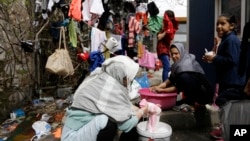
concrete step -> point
(187, 120)
(187, 126)
(178, 120)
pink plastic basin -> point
(166, 100)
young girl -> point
(165, 37)
(226, 61)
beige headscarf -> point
(103, 91)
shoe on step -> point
(216, 134)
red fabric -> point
(134, 27)
(170, 28)
(216, 133)
(163, 45)
(142, 16)
(118, 29)
(75, 10)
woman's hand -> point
(158, 89)
(142, 111)
(155, 89)
(152, 89)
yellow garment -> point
(106, 52)
(140, 49)
(72, 33)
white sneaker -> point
(212, 108)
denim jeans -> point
(166, 66)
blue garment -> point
(227, 61)
(166, 66)
(75, 119)
(81, 125)
(96, 59)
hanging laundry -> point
(155, 24)
(148, 59)
(141, 13)
(72, 33)
(51, 4)
(75, 10)
(97, 37)
(119, 42)
(95, 60)
(134, 27)
(90, 8)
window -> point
(232, 6)
(181, 33)
(247, 10)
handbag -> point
(60, 62)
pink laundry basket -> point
(166, 100)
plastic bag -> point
(143, 80)
(41, 128)
(134, 90)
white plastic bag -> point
(134, 90)
(41, 128)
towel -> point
(154, 112)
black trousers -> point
(109, 132)
(229, 93)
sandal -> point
(184, 108)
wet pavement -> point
(191, 135)
(186, 127)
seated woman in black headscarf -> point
(186, 76)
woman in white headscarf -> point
(187, 76)
(101, 103)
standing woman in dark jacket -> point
(226, 61)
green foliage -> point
(22, 71)
(7, 2)
(28, 3)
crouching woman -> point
(101, 104)
(187, 76)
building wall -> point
(201, 31)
